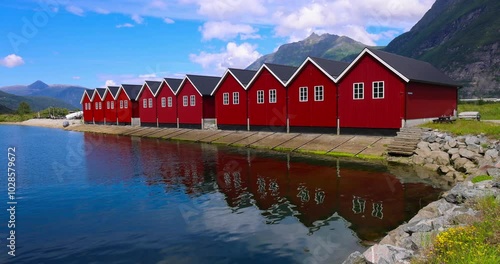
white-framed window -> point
(163, 102)
(225, 98)
(108, 105)
(302, 94)
(378, 90)
(96, 105)
(121, 104)
(192, 100)
(319, 93)
(112, 104)
(170, 101)
(144, 103)
(272, 96)
(125, 104)
(100, 105)
(260, 96)
(185, 100)
(358, 91)
(236, 98)
(150, 102)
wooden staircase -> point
(406, 141)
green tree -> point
(24, 108)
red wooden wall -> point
(166, 115)
(428, 100)
(147, 114)
(312, 113)
(267, 114)
(368, 112)
(124, 114)
(189, 114)
(110, 114)
(98, 111)
(88, 114)
(231, 114)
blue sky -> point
(92, 43)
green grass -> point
(481, 178)
(488, 111)
(467, 127)
(15, 117)
(478, 242)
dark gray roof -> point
(174, 83)
(283, 72)
(413, 69)
(101, 92)
(244, 76)
(333, 68)
(89, 92)
(132, 90)
(153, 86)
(113, 90)
(204, 84)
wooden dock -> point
(374, 147)
(405, 143)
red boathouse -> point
(231, 107)
(312, 96)
(194, 103)
(110, 114)
(97, 106)
(166, 102)
(148, 108)
(384, 91)
(127, 105)
(86, 102)
(267, 97)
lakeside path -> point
(368, 147)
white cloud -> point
(158, 4)
(11, 61)
(233, 56)
(225, 31)
(110, 83)
(76, 77)
(126, 25)
(101, 11)
(75, 10)
(168, 20)
(148, 75)
(137, 19)
(224, 9)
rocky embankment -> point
(458, 159)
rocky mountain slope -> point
(462, 38)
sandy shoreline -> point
(51, 123)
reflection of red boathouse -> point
(232, 176)
(268, 181)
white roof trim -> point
(140, 91)
(228, 71)
(163, 81)
(122, 89)
(182, 83)
(258, 73)
(83, 95)
(363, 52)
(309, 59)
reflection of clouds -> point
(331, 242)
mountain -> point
(68, 93)
(326, 46)
(11, 102)
(460, 37)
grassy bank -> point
(488, 111)
(15, 117)
(477, 242)
(468, 127)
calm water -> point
(90, 198)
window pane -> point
(236, 98)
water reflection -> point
(316, 192)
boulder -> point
(475, 148)
(466, 153)
(419, 160)
(492, 153)
(388, 254)
(434, 146)
(432, 167)
(463, 164)
(356, 258)
(469, 140)
(440, 157)
(423, 145)
(424, 153)
(453, 151)
(452, 142)
(493, 172)
(454, 157)
(444, 169)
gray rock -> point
(432, 167)
(453, 151)
(475, 148)
(388, 254)
(455, 156)
(493, 153)
(462, 192)
(434, 146)
(356, 258)
(423, 145)
(471, 140)
(452, 142)
(446, 147)
(440, 157)
(444, 169)
(463, 164)
(424, 153)
(419, 160)
(466, 153)
(424, 239)
(493, 172)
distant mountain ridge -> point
(326, 46)
(67, 93)
(10, 102)
(462, 38)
